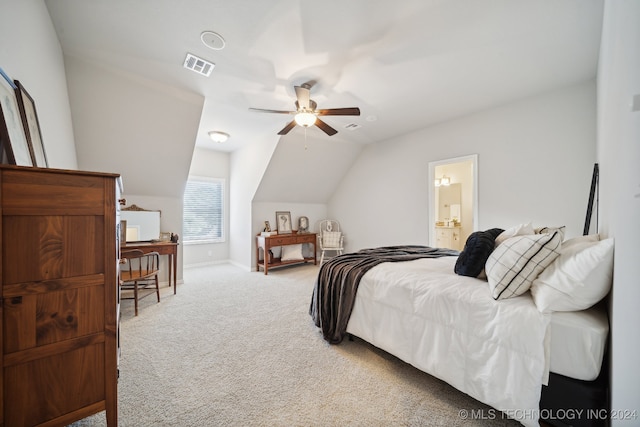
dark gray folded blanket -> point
(338, 279)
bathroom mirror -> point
(448, 206)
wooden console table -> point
(266, 243)
(163, 248)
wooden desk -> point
(163, 248)
(266, 243)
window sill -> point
(203, 242)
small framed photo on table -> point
(283, 220)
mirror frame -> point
(432, 194)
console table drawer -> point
(311, 238)
(280, 241)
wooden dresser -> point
(59, 311)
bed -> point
(503, 347)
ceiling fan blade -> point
(339, 112)
(325, 127)
(285, 130)
(262, 110)
(302, 93)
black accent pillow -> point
(477, 249)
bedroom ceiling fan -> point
(306, 113)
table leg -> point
(266, 258)
(169, 265)
(175, 272)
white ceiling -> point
(406, 63)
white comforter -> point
(450, 327)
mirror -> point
(141, 225)
(448, 203)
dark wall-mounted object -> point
(593, 195)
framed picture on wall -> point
(31, 125)
(13, 140)
(283, 219)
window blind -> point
(203, 220)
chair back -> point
(328, 225)
(137, 265)
(330, 234)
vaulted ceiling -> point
(406, 64)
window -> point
(203, 219)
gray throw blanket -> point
(338, 279)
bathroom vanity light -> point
(445, 180)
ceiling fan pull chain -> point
(305, 138)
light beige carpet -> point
(237, 348)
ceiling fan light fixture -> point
(217, 136)
(305, 119)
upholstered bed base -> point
(570, 402)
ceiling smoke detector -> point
(212, 40)
(199, 65)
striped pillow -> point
(517, 262)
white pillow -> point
(518, 230)
(580, 239)
(291, 253)
(515, 264)
(579, 278)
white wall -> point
(535, 159)
(618, 156)
(30, 52)
(141, 129)
(306, 170)
(211, 164)
(246, 170)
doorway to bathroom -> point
(453, 201)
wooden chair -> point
(330, 238)
(139, 273)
